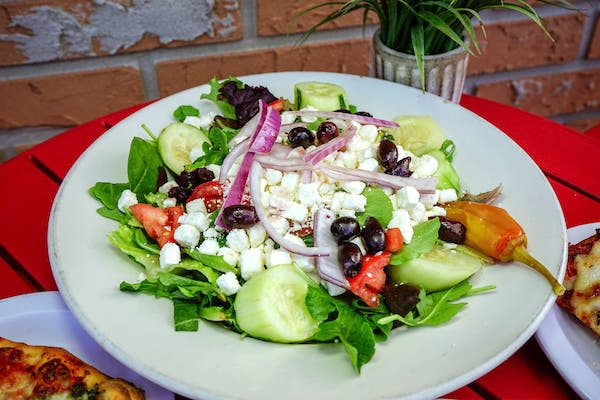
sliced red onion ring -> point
(251, 127)
(423, 185)
(269, 130)
(316, 155)
(329, 267)
(283, 165)
(233, 155)
(347, 117)
(255, 193)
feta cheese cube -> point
(280, 224)
(256, 235)
(169, 255)
(369, 164)
(230, 256)
(356, 202)
(127, 199)
(228, 283)
(287, 117)
(347, 159)
(196, 152)
(354, 187)
(290, 181)
(426, 165)
(251, 262)
(434, 212)
(196, 206)
(347, 213)
(401, 220)
(169, 202)
(197, 219)
(369, 152)
(272, 176)
(237, 239)
(277, 257)
(306, 264)
(368, 133)
(209, 246)
(417, 213)
(287, 208)
(211, 233)
(308, 194)
(447, 195)
(187, 235)
(167, 186)
(407, 197)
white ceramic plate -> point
(213, 363)
(43, 319)
(572, 347)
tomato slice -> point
(277, 104)
(394, 240)
(160, 224)
(370, 281)
(211, 193)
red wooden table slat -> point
(60, 152)
(579, 166)
(11, 284)
(25, 214)
(528, 374)
(577, 208)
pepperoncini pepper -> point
(494, 232)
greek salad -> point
(295, 220)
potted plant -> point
(425, 44)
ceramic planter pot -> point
(444, 73)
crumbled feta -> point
(196, 153)
(407, 197)
(187, 235)
(126, 200)
(347, 213)
(237, 239)
(209, 246)
(272, 176)
(447, 195)
(306, 264)
(251, 262)
(169, 255)
(256, 235)
(211, 233)
(164, 188)
(280, 224)
(356, 202)
(354, 187)
(308, 194)
(401, 220)
(277, 257)
(197, 219)
(196, 206)
(435, 211)
(369, 152)
(368, 133)
(169, 202)
(417, 213)
(228, 284)
(290, 181)
(230, 256)
(426, 165)
(282, 206)
(346, 159)
(287, 117)
(369, 164)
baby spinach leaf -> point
(216, 262)
(378, 205)
(424, 237)
(142, 166)
(185, 111)
(108, 193)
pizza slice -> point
(52, 373)
(582, 281)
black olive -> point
(373, 235)
(451, 231)
(180, 193)
(400, 298)
(350, 257)
(345, 228)
(327, 131)
(239, 216)
(364, 114)
(301, 136)
(195, 177)
(401, 168)
(343, 110)
(387, 154)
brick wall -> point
(65, 62)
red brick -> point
(519, 44)
(548, 95)
(79, 13)
(594, 50)
(583, 125)
(348, 56)
(68, 99)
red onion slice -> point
(251, 127)
(269, 130)
(255, 193)
(233, 155)
(329, 267)
(316, 155)
(347, 117)
(423, 185)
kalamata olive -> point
(387, 154)
(327, 131)
(401, 168)
(180, 193)
(364, 114)
(345, 228)
(161, 179)
(343, 110)
(239, 216)
(301, 136)
(350, 257)
(373, 236)
(195, 177)
(400, 298)
(451, 231)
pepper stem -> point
(521, 254)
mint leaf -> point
(424, 237)
(185, 111)
(378, 205)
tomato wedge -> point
(370, 281)
(159, 224)
(394, 240)
(211, 193)
(277, 104)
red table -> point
(567, 157)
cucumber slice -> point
(175, 143)
(417, 133)
(271, 306)
(446, 174)
(437, 270)
(320, 95)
